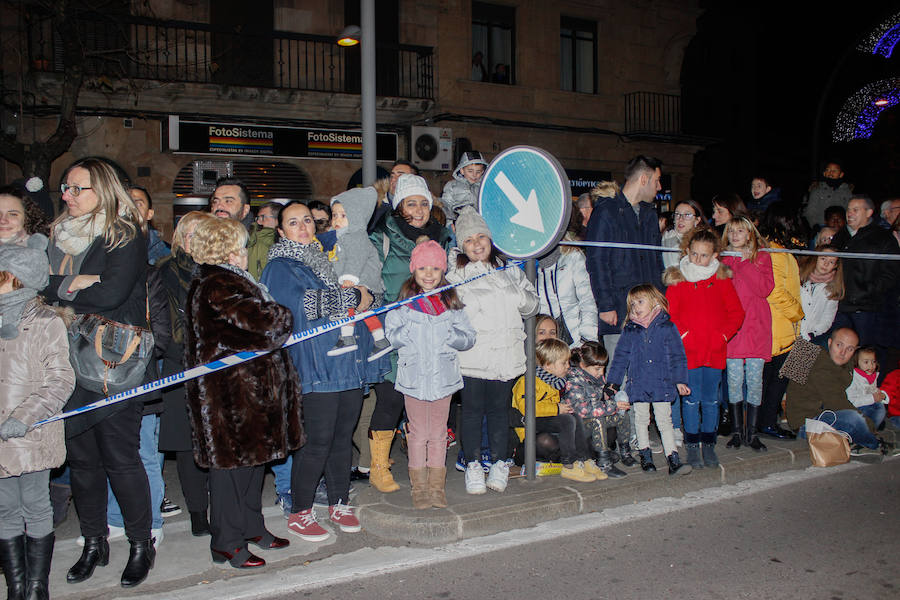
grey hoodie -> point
(355, 257)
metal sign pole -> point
(530, 423)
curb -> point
(528, 503)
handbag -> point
(108, 357)
(800, 360)
(827, 446)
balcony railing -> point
(653, 114)
(179, 51)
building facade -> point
(177, 92)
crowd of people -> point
(630, 344)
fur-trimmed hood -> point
(673, 275)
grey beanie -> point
(29, 264)
(469, 223)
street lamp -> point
(365, 36)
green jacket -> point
(825, 389)
(395, 251)
(261, 239)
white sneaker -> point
(498, 476)
(475, 478)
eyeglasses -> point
(684, 216)
(75, 190)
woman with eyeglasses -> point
(687, 216)
(98, 264)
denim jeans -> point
(875, 412)
(700, 410)
(853, 423)
(739, 370)
(282, 471)
(149, 451)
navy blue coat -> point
(653, 358)
(615, 271)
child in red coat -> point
(705, 307)
(891, 387)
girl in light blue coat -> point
(428, 333)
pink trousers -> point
(427, 439)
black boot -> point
(647, 460)
(676, 466)
(737, 424)
(708, 442)
(752, 437)
(199, 523)
(625, 455)
(12, 558)
(140, 561)
(39, 552)
(96, 552)
(693, 454)
(605, 462)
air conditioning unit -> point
(431, 148)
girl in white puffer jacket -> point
(495, 305)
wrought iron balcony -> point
(179, 51)
(649, 114)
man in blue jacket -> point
(629, 216)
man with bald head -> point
(826, 389)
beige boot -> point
(380, 475)
(436, 477)
(418, 480)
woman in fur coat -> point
(247, 415)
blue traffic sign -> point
(525, 201)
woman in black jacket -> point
(98, 264)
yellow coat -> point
(546, 401)
(784, 301)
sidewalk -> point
(183, 562)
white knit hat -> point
(411, 185)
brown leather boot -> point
(436, 477)
(421, 498)
(380, 474)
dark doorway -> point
(242, 42)
(387, 55)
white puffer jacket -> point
(495, 305)
(564, 289)
(818, 309)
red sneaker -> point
(451, 438)
(342, 515)
(304, 524)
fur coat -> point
(248, 414)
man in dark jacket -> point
(628, 217)
(868, 283)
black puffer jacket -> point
(867, 282)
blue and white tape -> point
(242, 357)
(629, 246)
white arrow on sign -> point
(529, 213)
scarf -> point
(239, 271)
(310, 255)
(431, 305)
(12, 304)
(870, 379)
(20, 239)
(695, 273)
(557, 383)
(816, 278)
(645, 322)
(432, 229)
(74, 234)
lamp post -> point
(365, 36)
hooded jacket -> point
(355, 258)
(707, 313)
(653, 358)
(35, 382)
(460, 192)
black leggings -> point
(572, 436)
(388, 407)
(329, 421)
(485, 397)
(774, 387)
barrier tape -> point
(630, 246)
(242, 357)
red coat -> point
(891, 387)
(707, 313)
(753, 282)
